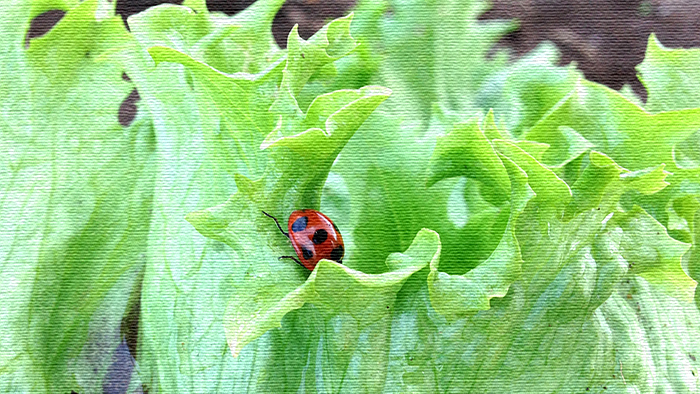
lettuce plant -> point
(509, 226)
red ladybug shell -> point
(315, 237)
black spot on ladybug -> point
(320, 236)
(307, 253)
(300, 224)
(128, 109)
(42, 24)
(337, 253)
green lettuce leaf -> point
(518, 345)
(613, 125)
(646, 144)
(508, 225)
(671, 77)
(461, 295)
(522, 93)
(179, 298)
(579, 250)
(293, 180)
(75, 194)
(330, 287)
(186, 283)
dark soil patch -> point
(607, 38)
(42, 23)
(126, 8)
(128, 108)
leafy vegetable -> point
(508, 225)
(670, 76)
(76, 190)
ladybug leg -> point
(293, 258)
(276, 222)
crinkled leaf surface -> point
(333, 288)
(645, 144)
(247, 111)
(577, 296)
(182, 346)
(75, 192)
(562, 222)
(671, 77)
(522, 93)
(613, 125)
(460, 295)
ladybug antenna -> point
(276, 222)
(291, 257)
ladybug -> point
(314, 237)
